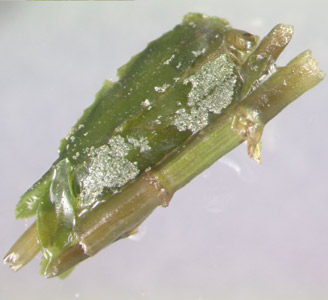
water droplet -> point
(145, 103)
(169, 60)
(139, 142)
(244, 168)
(137, 237)
(161, 89)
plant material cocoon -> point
(190, 97)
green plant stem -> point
(217, 139)
(111, 220)
(24, 250)
(243, 121)
(265, 55)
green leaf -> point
(146, 112)
(30, 201)
(57, 212)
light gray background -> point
(238, 231)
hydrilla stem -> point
(243, 121)
(116, 218)
(24, 250)
(111, 220)
(263, 58)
